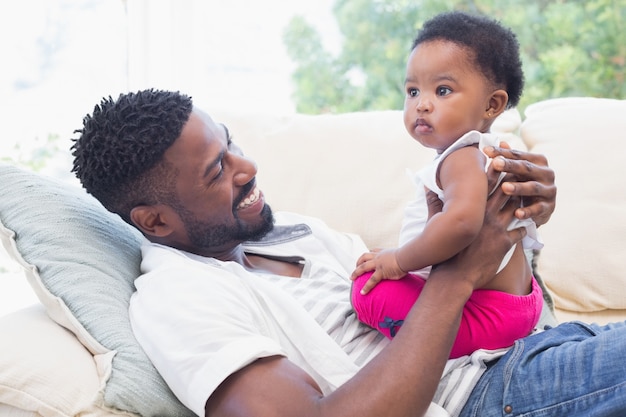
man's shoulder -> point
(158, 257)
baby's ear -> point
(497, 103)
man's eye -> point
(220, 172)
(443, 91)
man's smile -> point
(252, 198)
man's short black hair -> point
(495, 47)
(118, 157)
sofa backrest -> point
(583, 262)
(347, 169)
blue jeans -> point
(573, 369)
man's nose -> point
(244, 167)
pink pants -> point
(491, 319)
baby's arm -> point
(463, 179)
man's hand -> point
(528, 177)
(479, 262)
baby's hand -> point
(384, 265)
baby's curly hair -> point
(495, 47)
(118, 157)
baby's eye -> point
(443, 91)
(412, 92)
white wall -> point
(60, 57)
(224, 53)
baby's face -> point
(446, 95)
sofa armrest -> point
(46, 371)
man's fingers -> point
(539, 200)
(435, 205)
(529, 177)
(516, 235)
(534, 167)
(529, 188)
(535, 211)
(497, 200)
(514, 154)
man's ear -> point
(497, 104)
(151, 220)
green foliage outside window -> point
(569, 48)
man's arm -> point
(402, 379)
(462, 177)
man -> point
(245, 315)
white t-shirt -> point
(200, 320)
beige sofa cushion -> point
(81, 262)
(583, 262)
(45, 371)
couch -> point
(73, 354)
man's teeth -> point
(251, 199)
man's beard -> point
(206, 235)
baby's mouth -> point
(421, 122)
